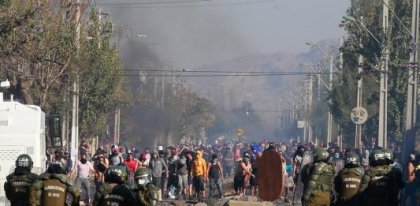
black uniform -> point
(17, 187)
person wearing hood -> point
(199, 174)
(158, 166)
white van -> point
(22, 131)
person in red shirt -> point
(131, 163)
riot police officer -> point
(18, 183)
(129, 182)
(347, 182)
(396, 175)
(378, 182)
(318, 180)
(114, 191)
(52, 188)
(146, 194)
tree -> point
(37, 48)
(344, 95)
(101, 80)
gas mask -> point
(143, 180)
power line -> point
(224, 75)
(148, 3)
(221, 71)
(162, 5)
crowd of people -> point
(128, 176)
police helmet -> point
(320, 155)
(389, 156)
(125, 168)
(377, 158)
(57, 167)
(352, 160)
(24, 161)
(142, 176)
(115, 174)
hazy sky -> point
(196, 33)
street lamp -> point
(309, 43)
(351, 18)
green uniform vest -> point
(349, 182)
(318, 185)
(147, 196)
(54, 193)
(52, 189)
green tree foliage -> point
(360, 42)
(41, 56)
(37, 48)
(100, 80)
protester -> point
(131, 163)
(190, 159)
(116, 157)
(173, 161)
(199, 174)
(242, 171)
(215, 174)
(182, 171)
(100, 165)
(83, 169)
(228, 161)
(410, 188)
(158, 167)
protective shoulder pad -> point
(33, 176)
(63, 178)
(9, 177)
(319, 167)
(153, 194)
(151, 186)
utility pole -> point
(306, 113)
(330, 118)
(163, 91)
(358, 133)
(75, 100)
(319, 85)
(410, 118)
(65, 120)
(341, 66)
(383, 91)
(310, 96)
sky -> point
(202, 32)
